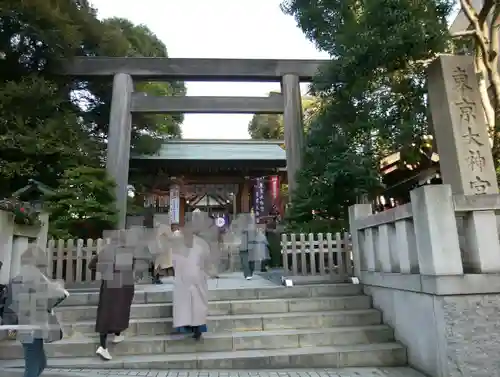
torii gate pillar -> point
(119, 134)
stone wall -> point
(452, 336)
(470, 328)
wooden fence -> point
(317, 254)
(68, 259)
(302, 254)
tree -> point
(42, 141)
(266, 126)
(83, 205)
(148, 131)
(270, 126)
(394, 35)
(337, 170)
(483, 33)
(51, 124)
(372, 94)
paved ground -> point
(350, 372)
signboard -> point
(259, 198)
(174, 204)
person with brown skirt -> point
(115, 264)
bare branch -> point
(481, 74)
(473, 18)
(485, 11)
(465, 33)
(493, 57)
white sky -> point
(218, 29)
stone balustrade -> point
(433, 267)
(436, 234)
(439, 243)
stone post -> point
(294, 128)
(436, 231)
(19, 246)
(357, 212)
(464, 152)
(42, 237)
(6, 240)
(120, 127)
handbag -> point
(55, 332)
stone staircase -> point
(324, 325)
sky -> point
(219, 29)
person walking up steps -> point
(38, 324)
(247, 245)
(115, 263)
(191, 263)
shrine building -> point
(221, 177)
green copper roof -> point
(252, 150)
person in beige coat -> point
(164, 265)
(191, 259)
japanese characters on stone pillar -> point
(465, 154)
(459, 126)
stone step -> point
(163, 293)
(361, 355)
(83, 313)
(243, 322)
(237, 341)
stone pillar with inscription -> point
(465, 156)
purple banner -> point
(258, 198)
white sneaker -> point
(249, 278)
(104, 353)
(118, 339)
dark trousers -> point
(247, 264)
(103, 339)
(35, 360)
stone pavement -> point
(329, 372)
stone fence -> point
(437, 234)
(433, 267)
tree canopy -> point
(83, 204)
(49, 124)
(270, 126)
(372, 93)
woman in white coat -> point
(191, 260)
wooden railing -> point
(317, 254)
(68, 259)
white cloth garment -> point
(191, 284)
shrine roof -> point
(219, 150)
